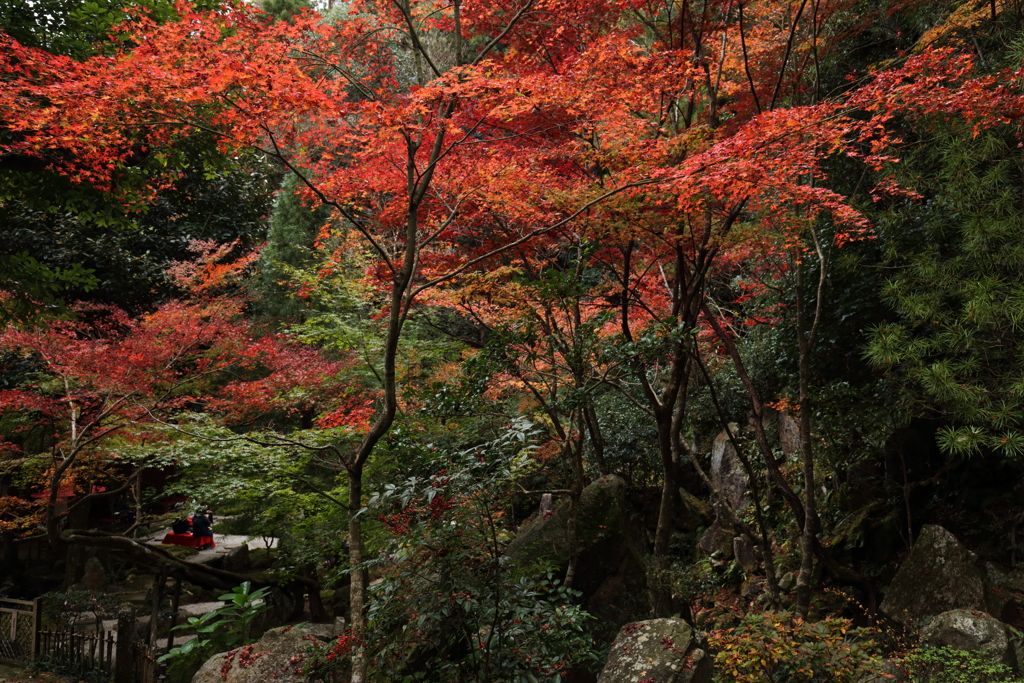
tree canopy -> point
(541, 241)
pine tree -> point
(960, 296)
(290, 237)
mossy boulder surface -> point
(610, 571)
(600, 519)
(656, 651)
(939, 575)
(963, 629)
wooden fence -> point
(147, 670)
(94, 651)
(23, 641)
(19, 629)
(99, 652)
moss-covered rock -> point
(657, 651)
(965, 630)
(939, 575)
(610, 571)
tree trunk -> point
(159, 583)
(575, 453)
(808, 535)
(596, 438)
(357, 587)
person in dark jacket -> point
(202, 528)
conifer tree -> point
(290, 236)
(960, 295)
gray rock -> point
(717, 539)
(1005, 592)
(727, 472)
(939, 575)
(966, 630)
(546, 504)
(789, 434)
(695, 511)
(728, 477)
(277, 656)
(237, 559)
(610, 570)
(95, 578)
(656, 651)
(787, 581)
(744, 551)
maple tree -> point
(65, 241)
(105, 382)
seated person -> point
(182, 526)
(202, 527)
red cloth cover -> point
(189, 540)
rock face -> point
(656, 651)
(610, 571)
(744, 552)
(94, 578)
(728, 477)
(789, 434)
(1006, 593)
(939, 575)
(238, 559)
(966, 630)
(277, 656)
(727, 472)
(717, 539)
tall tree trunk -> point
(357, 587)
(805, 341)
(596, 438)
(575, 453)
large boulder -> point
(656, 651)
(729, 478)
(610, 569)
(789, 434)
(939, 575)
(1005, 592)
(237, 560)
(95, 578)
(727, 473)
(965, 630)
(717, 541)
(277, 656)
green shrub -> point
(948, 665)
(449, 607)
(225, 628)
